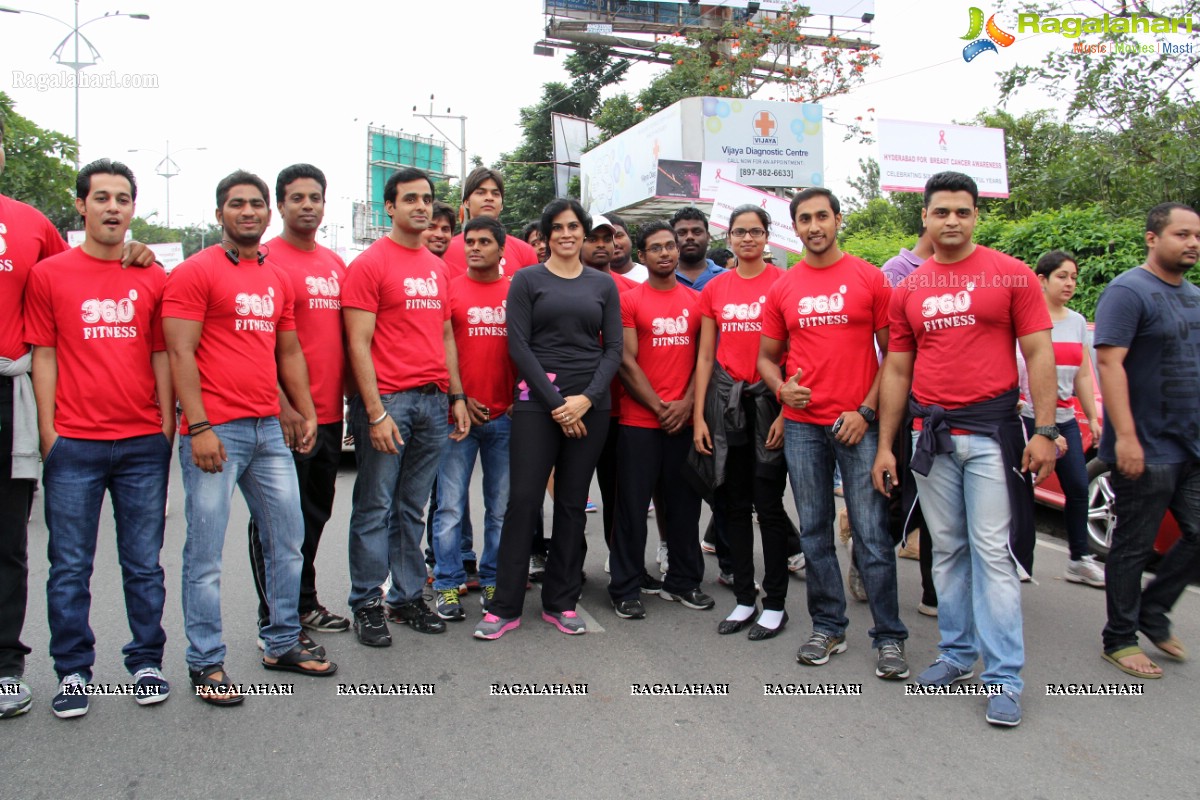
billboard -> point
(571, 136)
(624, 170)
(388, 151)
(911, 152)
(774, 144)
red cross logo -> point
(765, 123)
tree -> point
(1131, 117)
(742, 58)
(39, 168)
(866, 185)
(529, 169)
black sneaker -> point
(370, 625)
(650, 585)
(418, 616)
(630, 609)
(72, 699)
(692, 598)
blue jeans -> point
(812, 452)
(76, 475)
(1139, 506)
(966, 506)
(261, 465)
(490, 442)
(390, 493)
(1071, 471)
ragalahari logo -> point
(995, 36)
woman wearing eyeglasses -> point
(742, 439)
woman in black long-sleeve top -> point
(564, 335)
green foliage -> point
(1104, 246)
(147, 233)
(877, 217)
(866, 185)
(876, 247)
(39, 167)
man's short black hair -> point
(443, 211)
(529, 229)
(720, 256)
(404, 175)
(103, 166)
(475, 179)
(490, 224)
(617, 221)
(951, 182)
(686, 213)
(658, 226)
(805, 195)
(296, 172)
(558, 206)
(1160, 215)
(241, 178)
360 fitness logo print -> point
(995, 36)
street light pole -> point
(462, 143)
(167, 168)
(76, 65)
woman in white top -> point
(1058, 274)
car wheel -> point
(1100, 519)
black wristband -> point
(454, 398)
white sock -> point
(741, 613)
(770, 619)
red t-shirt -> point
(667, 325)
(829, 317)
(26, 237)
(479, 314)
(241, 308)
(962, 320)
(407, 291)
(103, 322)
(736, 305)
(317, 277)
(517, 254)
(617, 389)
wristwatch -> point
(454, 398)
(867, 413)
(1049, 431)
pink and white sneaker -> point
(493, 627)
(566, 621)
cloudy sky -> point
(265, 84)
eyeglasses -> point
(742, 233)
(659, 249)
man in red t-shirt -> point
(483, 195)
(395, 305)
(26, 237)
(478, 314)
(92, 324)
(316, 274)
(661, 318)
(954, 326)
(230, 326)
(830, 310)
(437, 236)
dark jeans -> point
(744, 492)
(537, 446)
(1071, 470)
(16, 500)
(316, 471)
(1140, 506)
(651, 463)
(76, 475)
(716, 535)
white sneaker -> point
(661, 557)
(796, 563)
(1085, 570)
(606, 558)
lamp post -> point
(76, 65)
(462, 143)
(167, 168)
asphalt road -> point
(462, 741)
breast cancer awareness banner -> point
(910, 152)
(731, 194)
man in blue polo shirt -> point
(695, 268)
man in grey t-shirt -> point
(1148, 350)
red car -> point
(1101, 518)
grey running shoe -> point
(537, 568)
(889, 663)
(493, 627)
(566, 621)
(322, 619)
(448, 605)
(15, 697)
(819, 647)
(486, 593)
